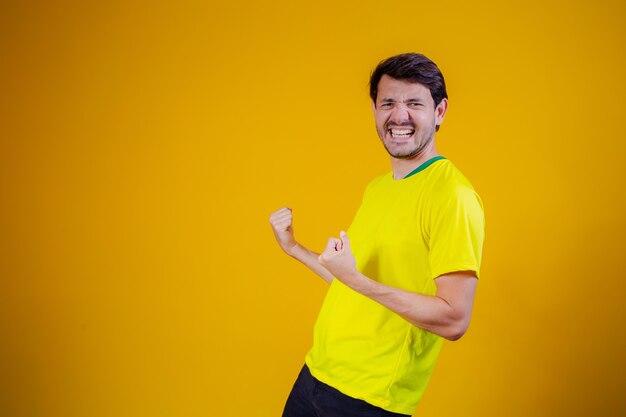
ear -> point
(373, 107)
(440, 111)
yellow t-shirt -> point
(405, 233)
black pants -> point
(312, 398)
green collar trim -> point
(424, 166)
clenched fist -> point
(339, 260)
(282, 226)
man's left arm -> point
(446, 314)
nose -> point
(400, 115)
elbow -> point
(453, 337)
(456, 330)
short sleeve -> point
(457, 230)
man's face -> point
(406, 116)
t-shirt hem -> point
(456, 268)
(383, 403)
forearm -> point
(310, 259)
(431, 313)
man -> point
(405, 274)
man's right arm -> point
(282, 226)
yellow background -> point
(144, 145)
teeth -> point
(403, 132)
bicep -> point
(458, 289)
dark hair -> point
(412, 67)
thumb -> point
(345, 240)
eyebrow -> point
(413, 100)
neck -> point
(401, 167)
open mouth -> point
(401, 133)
